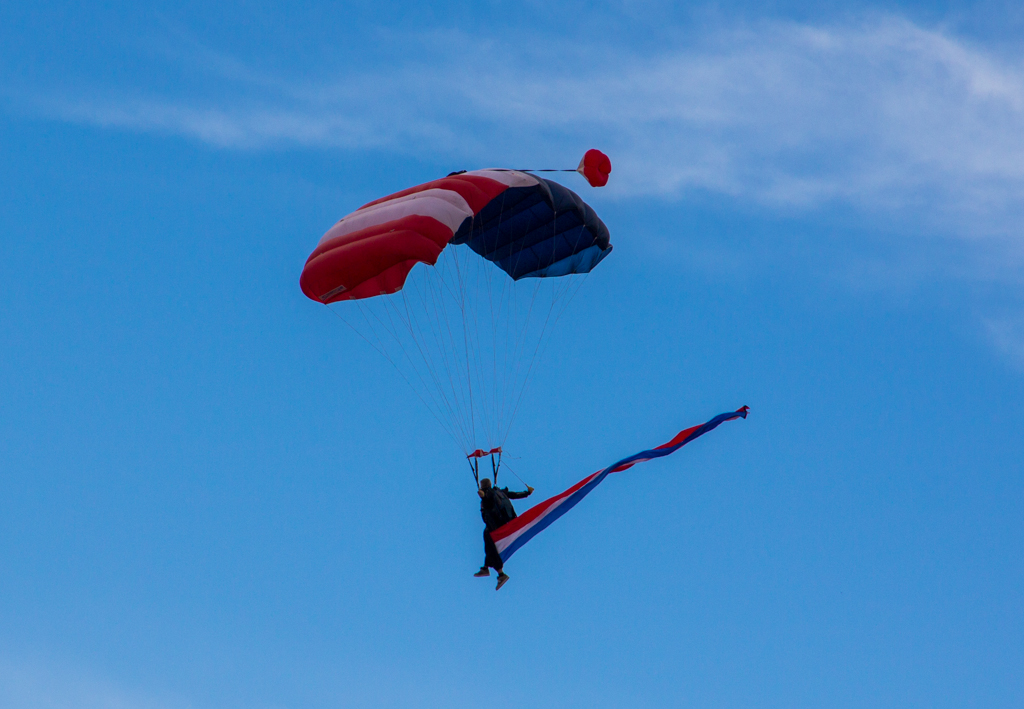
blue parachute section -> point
(541, 231)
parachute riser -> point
(474, 467)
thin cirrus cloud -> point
(882, 115)
(1007, 334)
(24, 685)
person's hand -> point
(480, 493)
(529, 490)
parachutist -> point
(496, 510)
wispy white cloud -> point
(26, 687)
(882, 115)
(1007, 334)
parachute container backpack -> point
(460, 282)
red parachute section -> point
(376, 260)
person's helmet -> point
(485, 484)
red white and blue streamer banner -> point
(510, 537)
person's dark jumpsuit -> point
(495, 514)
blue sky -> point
(215, 496)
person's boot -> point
(502, 578)
(484, 571)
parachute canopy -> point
(504, 254)
(527, 226)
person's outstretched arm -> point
(518, 495)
